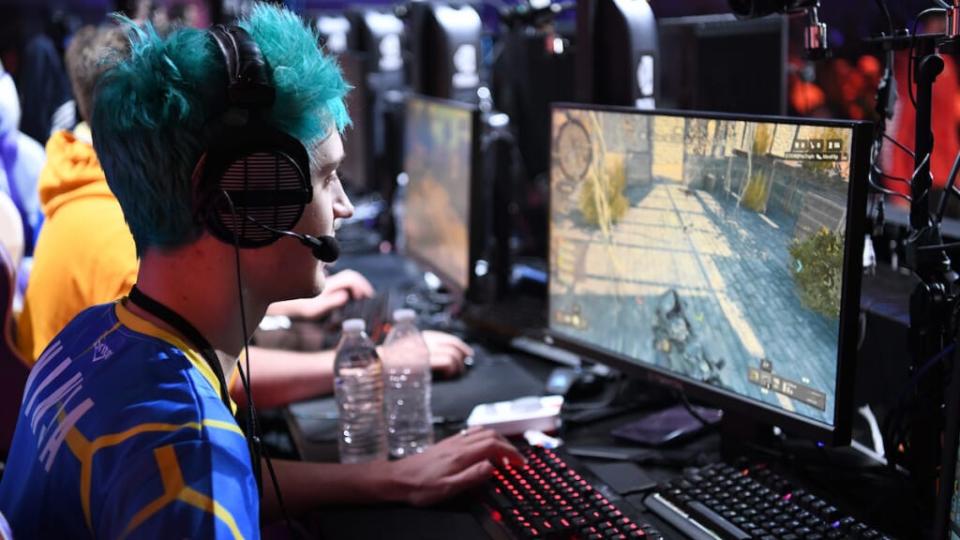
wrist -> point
(389, 483)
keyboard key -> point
(547, 498)
(736, 502)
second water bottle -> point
(406, 361)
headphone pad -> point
(266, 180)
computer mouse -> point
(585, 387)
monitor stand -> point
(617, 397)
(742, 436)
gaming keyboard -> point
(550, 497)
(722, 501)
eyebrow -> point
(331, 166)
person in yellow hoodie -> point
(85, 254)
(72, 271)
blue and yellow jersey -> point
(122, 434)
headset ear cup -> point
(256, 186)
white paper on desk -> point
(514, 417)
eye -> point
(331, 178)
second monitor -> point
(440, 161)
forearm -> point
(289, 308)
(282, 377)
(305, 486)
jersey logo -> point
(101, 351)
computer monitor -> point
(718, 254)
(721, 63)
(445, 46)
(356, 171)
(616, 53)
(440, 162)
(373, 64)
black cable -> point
(874, 169)
(693, 412)
(899, 144)
(923, 162)
(252, 424)
(950, 188)
(886, 15)
(891, 177)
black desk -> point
(494, 377)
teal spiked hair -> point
(151, 112)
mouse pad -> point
(493, 377)
(623, 477)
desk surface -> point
(493, 377)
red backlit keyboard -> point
(549, 498)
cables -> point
(682, 396)
(898, 144)
(253, 429)
(886, 15)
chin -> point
(307, 282)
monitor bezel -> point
(474, 234)
(839, 433)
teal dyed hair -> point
(151, 111)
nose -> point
(342, 207)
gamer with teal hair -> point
(125, 429)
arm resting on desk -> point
(442, 471)
(282, 377)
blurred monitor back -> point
(721, 63)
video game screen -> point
(712, 249)
(437, 160)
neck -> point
(204, 293)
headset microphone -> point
(324, 248)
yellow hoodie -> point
(85, 253)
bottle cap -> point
(354, 325)
(403, 315)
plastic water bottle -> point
(406, 361)
(358, 386)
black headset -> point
(254, 178)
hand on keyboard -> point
(451, 466)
